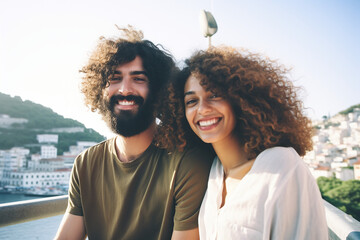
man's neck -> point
(130, 148)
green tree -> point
(325, 184)
(344, 195)
(40, 121)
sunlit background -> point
(43, 44)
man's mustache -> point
(115, 98)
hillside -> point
(40, 120)
(350, 109)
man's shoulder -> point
(95, 151)
(193, 156)
(102, 145)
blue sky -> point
(43, 44)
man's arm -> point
(71, 228)
(192, 234)
(190, 187)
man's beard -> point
(127, 123)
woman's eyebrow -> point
(189, 93)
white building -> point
(344, 174)
(48, 151)
(51, 164)
(30, 179)
(6, 121)
(81, 146)
(68, 130)
(357, 170)
(47, 138)
(321, 172)
(13, 159)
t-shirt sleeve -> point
(190, 186)
(299, 211)
(74, 200)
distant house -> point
(47, 138)
(344, 174)
(321, 171)
(357, 169)
(32, 178)
(6, 121)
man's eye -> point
(114, 79)
(212, 96)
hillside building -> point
(6, 121)
(47, 138)
(27, 179)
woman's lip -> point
(208, 123)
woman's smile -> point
(209, 116)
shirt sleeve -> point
(299, 211)
(74, 200)
(190, 186)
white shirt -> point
(277, 199)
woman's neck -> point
(231, 153)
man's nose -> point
(125, 87)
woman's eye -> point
(212, 96)
(189, 102)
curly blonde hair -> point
(265, 102)
(110, 52)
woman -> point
(247, 109)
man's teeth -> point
(126, 103)
(207, 122)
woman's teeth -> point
(208, 122)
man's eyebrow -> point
(133, 73)
(189, 93)
(139, 73)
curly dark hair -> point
(109, 53)
(265, 102)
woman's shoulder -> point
(279, 154)
(277, 159)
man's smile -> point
(129, 102)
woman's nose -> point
(204, 107)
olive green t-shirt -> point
(147, 198)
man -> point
(127, 187)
